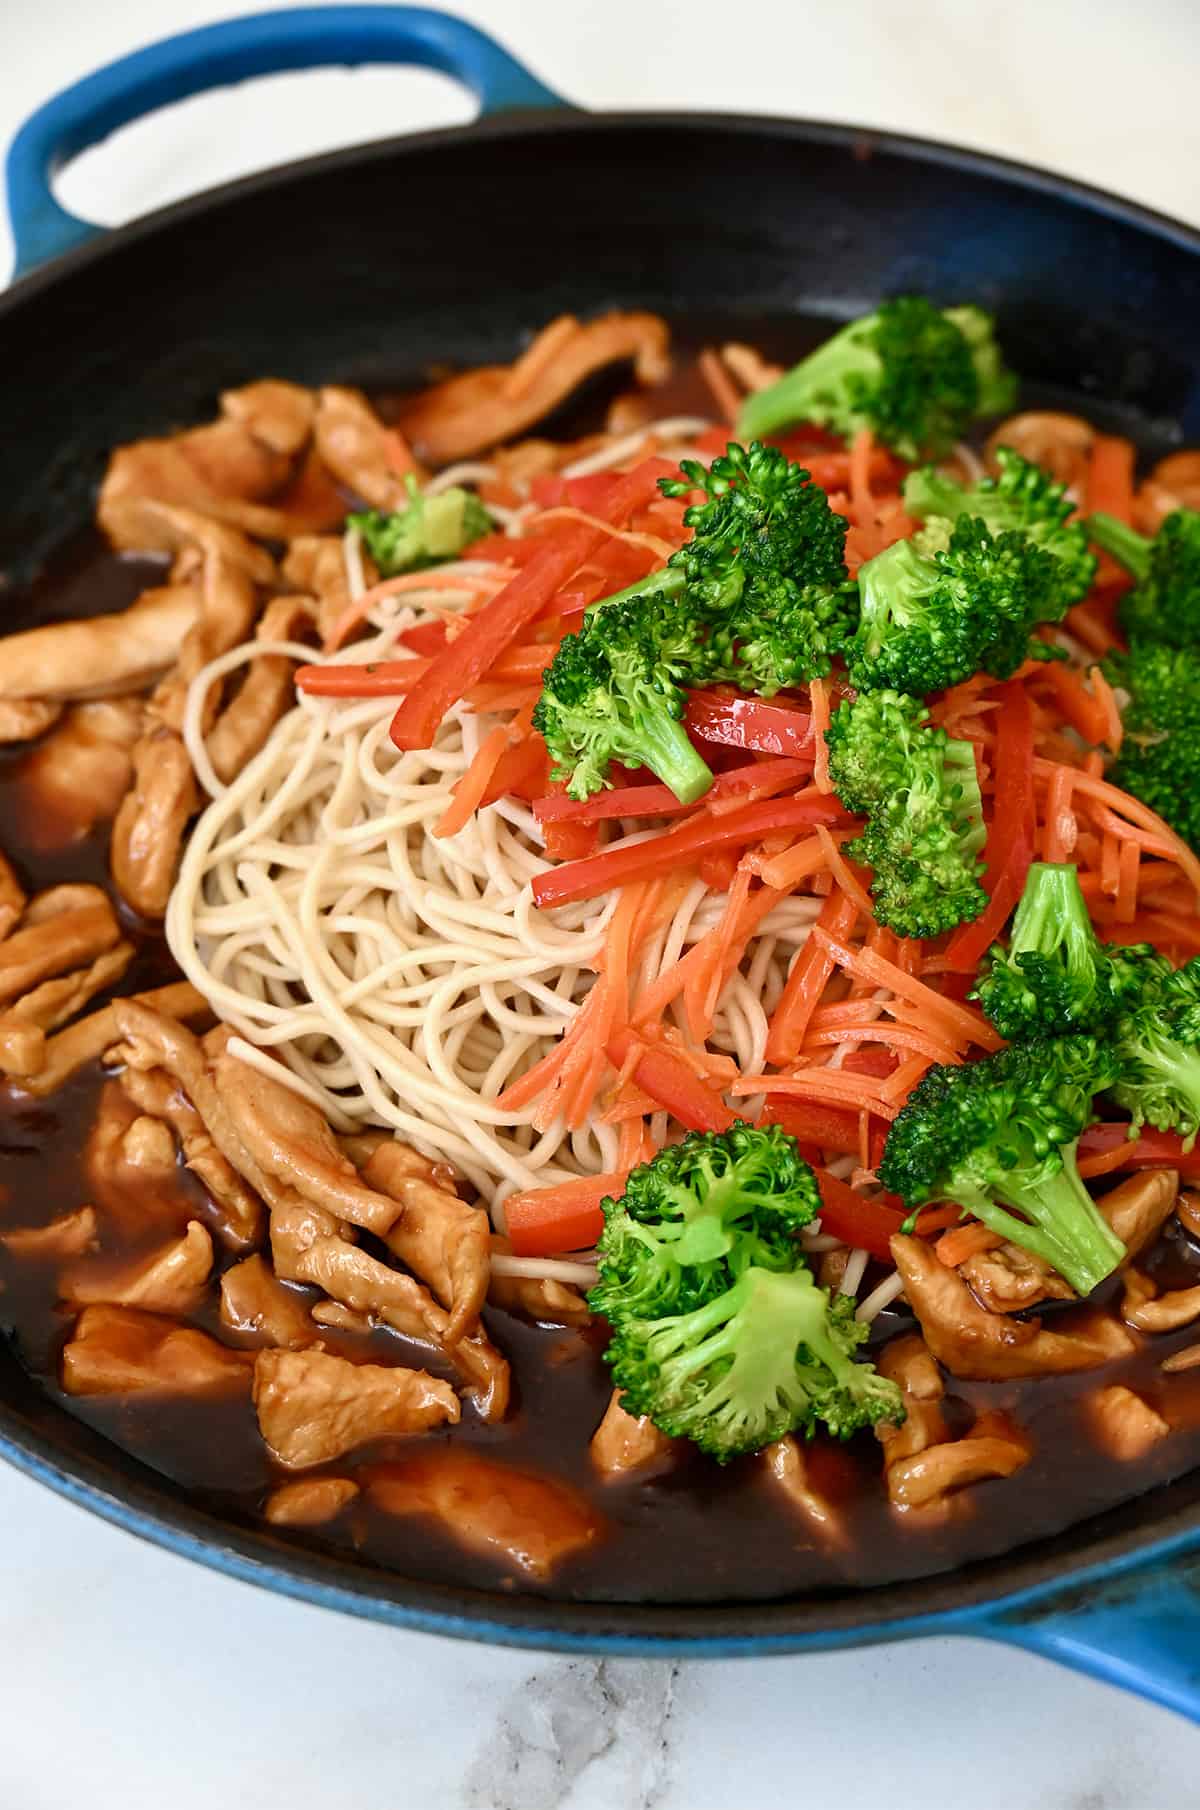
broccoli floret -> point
(1055, 976)
(999, 1137)
(1024, 499)
(1157, 1043)
(720, 1334)
(766, 566)
(920, 793)
(427, 530)
(1159, 760)
(915, 374)
(1164, 604)
(940, 607)
(613, 693)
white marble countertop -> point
(129, 1678)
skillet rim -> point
(156, 1509)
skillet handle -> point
(217, 55)
(1138, 1628)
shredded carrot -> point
(1114, 732)
(633, 1144)
(818, 693)
(862, 503)
(468, 793)
(955, 1247)
(1128, 865)
(961, 1023)
(821, 1084)
(1061, 828)
(899, 1085)
(724, 393)
(807, 981)
(1110, 477)
(1094, 625)
(900, 1037)
(1137, 814)
(809, 857)
(478, 584)
(842, 872)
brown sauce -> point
(695, 1532)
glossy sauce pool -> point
(694, 1532)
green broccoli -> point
(720, 1333)
(1055, 976)
(1023, 499)
(1159, 760)
(944, 605)
(1156, 1040)
(613, 692)
(920, 793)
(426, 531)
(915, 374)
(999, 1137)
(1164, 604)
(766, 567)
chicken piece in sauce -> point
(313, 1407)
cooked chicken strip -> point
(253, 1300)
(148, 832)
(46, 947)
(309, 1501)
(21, 719)
(1126, 1426)
(315, 564)
(278, 414)
(228, 603)
(910, 1363)
(24, 1026)
(313, 1407)
(1138, 1209)
(141, 525)
(466, 414)
(534, 1522)
(267, 690)
(972, 1342)
(437, 1236)
(99, 656)
(87, 1039)
(78, 776)
(170, 1280)
(995, 1447)
(353, 442)
(625, 1444)
(1148, 1311)
(122, 1351)
(1008, 1279)
(12, 897)
(239, 1210)
(786, 1464)
(70, 1235)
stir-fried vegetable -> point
(427, 530)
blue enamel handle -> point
(1136, 1626)
(217, 55)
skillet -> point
(324, 269)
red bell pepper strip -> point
(869, 1224)
(1151, 1149)
(667, 1079)
(395, 678)
(462, 663)
(833, 1128)
(568, 1217)
(659, 801)
(1011, 832)
(424, 638)
(737, 721)
(682, 846)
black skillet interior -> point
(375, 264)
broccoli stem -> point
(1062, 1223)
(1052, 915)
(1124, 543)
(663, 746)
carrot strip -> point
(808, 979)
(1093, 624)
(818, 693)
(356, 612)
(809, 857)
(898, 1086)
(900, 1037)
(1110, 477)
(842, 872)
(963, 1023)
(1128, 863)
(1114, 731)
(820, 1084)
(467, 794)
(1137, 813)
(955, 1247)
(713, 371)
(862, 502)
(568, 1217)
(1061, 828)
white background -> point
(131, 1679)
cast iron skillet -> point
(350, 266)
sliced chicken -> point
(1173, 484)
(538, 1298)
(88, 1038)
(625, 1445)
(56, 941)
(786, 1464)
(143, 525)
(1187, 1209)
(337, 1317)
(276, 414)
(24, 1026)
(139, 1190)
(355, 447)
(1148, 1311)
(313, 1407)
(1138, 1209)
(78, 776)
(909, 1362)
(24, 719)
(316, 565)
(238, 1210)
(170, 1280)
(531, 1522)
(123, 1351)
(12, 896)
(481, 408)
(309, 1501)
(1008, 1279)
(1126, 1426)
(309, 1245)
(266, 693)
(253, 1300)
(148, 833)
(971, 1342)
(228, 606)
(149, 1146)
(99, 656)
(437, 1236)
(70, 1235)
(995, 1447)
